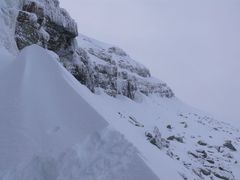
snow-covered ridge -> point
(95, 47)
(116, 72)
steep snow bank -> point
(40, 112)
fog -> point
(193, 45)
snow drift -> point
(43, 115)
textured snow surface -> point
(41, 111)
(105, 156)
(48, 131)
(173, 118)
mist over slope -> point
(76, 108)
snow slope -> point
(191, 142)
(183, 127)
(43, 117)
(52, 127)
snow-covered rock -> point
(116, 72)
(93, 63)
(44, 23)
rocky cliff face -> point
(117, 73)
(94, 64)
(46, 24)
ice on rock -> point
(55, 13)
(117, 73)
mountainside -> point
(42, 22)
(75, 108)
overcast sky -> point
(193, 45)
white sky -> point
(193, 45)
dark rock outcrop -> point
(178, 139)
(44, 23)
(156, 139)
(202, 143)
(228, 144)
